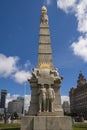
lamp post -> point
(24, 99)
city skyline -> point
(20, 24)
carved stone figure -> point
(44, 18)
(50, 97)
(42, 99)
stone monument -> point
(45, 111)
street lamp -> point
(24, 98)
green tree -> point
(16, 115)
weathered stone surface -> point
(50, 113)
(47, 78)
(27, 123)
(46, 123)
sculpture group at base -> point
(46, 97)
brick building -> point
(78, 97)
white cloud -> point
(7, 65)
(64, 98)
(81, 15)
(27, 64)
(48, 2)
(79, 8)
(21, 76)
(66, 5)
(80, 47)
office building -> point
(3, 98)
(66, 107)
(16, 105)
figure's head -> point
(49, 86)
(42, 86)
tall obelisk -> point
(45, 111)
(45, 74)
(45, 51)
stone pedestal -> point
(46, 123)
(60, 113)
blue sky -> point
(19, 36)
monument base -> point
(58, 113)
(46, 123)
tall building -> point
(3, 98)
(16, 105)
(78, 97)
(66, 107)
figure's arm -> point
(53, 94)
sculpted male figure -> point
(44, 16)
(50, 98)
(42, 99)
